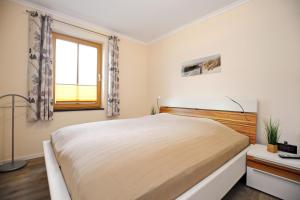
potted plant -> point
(272, 135)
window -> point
(77, 68)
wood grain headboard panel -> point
(244, 123)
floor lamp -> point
(13, 164)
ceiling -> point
(144, 20)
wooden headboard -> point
(244, 123)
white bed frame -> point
(213, 187)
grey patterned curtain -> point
(113, 101)
(40, 73)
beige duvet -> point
(153, 157)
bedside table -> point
(271, 174)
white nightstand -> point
(269, 173)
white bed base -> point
(57, 185)
(213, 187)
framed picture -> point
(205, 65)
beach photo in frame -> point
(204, 65)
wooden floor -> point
(241, 191)
(30, 183)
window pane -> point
(87, 93)
(67, 93)
(76, 74)
(66, 62)
(87, 65)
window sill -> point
(76, 109)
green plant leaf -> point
(271, 128)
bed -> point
(181, 153)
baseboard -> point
(26, 157)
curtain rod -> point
(85, 29)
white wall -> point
(259, 43)
(13, 79)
